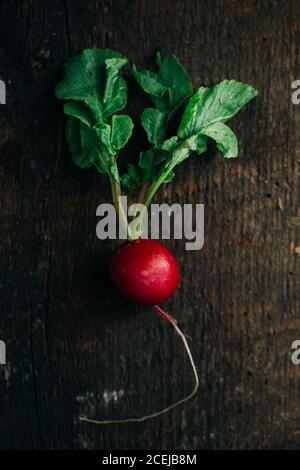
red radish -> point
(145, 272)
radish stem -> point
(116, 196)
(172, 321)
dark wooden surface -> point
(72, 343)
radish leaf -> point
(115, 94)
(104, 134)
(85, 79)
(84, 146)
(153, 123)
(121, 130)
(133, 179)
(169, 87)
(216, 104)
(95, 92)
(225, 139)
(169, 144)
(168, 90)
(175, 78)
(80, 111)
(150, 82)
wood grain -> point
(72, 343)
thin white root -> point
(173, 322)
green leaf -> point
(197, 143)
(85, 79)
(133, 179)
(175, 78)
(115, 94)
(147, 169)
(146, 166)
(104, 134)
(80, 111)
(216, 104)
(180, 154)
(225, 139)
(84, 146)
(114, 137)
(168, 88)
(121, 130)
(95, 92)
(149, 82)
(151, 160)
(146, 159)
(153, 123)
(169, 144)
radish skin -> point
(144, 271)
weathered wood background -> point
(74, 347)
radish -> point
(144, 271)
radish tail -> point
(172, 321)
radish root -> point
(172, 322)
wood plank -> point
(71, 341)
